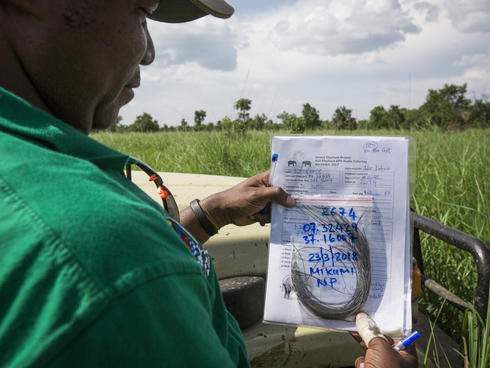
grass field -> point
(452, 187)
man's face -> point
(84, 57)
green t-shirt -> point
(91, 274)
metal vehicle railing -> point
(476, 247)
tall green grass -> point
(196, 152)
(452, 187)
(477, 339)
(475, 347)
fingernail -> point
(290, 201)
(361, 315)
(361, 365)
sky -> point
(282, 54)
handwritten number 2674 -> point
(332, 211)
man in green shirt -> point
(91, 274)
(91, 271)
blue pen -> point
(267, 207)
(275, 156)
(407, 341)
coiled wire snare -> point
(301, 279)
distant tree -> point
(480, 113)
(342, 119)
(292, 122)
(239, 126)
(226, 124)
(218, 125)
(243, 105)
(410, 118)
(183, 125)
(395, 117)
(199, 116)
(252, 124)
(327, 125)
(447, 106)
(363, 124)
(284, 116)
(144, 123)
(258, 122)
(270, 125)
(311, 117)
(378, 118)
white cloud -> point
(470, 16)
(210, 45)
(476, 72)
(430, 11)
(474, 59)
(341, 27)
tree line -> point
(446, 108)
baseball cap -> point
(177, 11)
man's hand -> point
(241, 204)
(380, 352)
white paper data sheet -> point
(345, 246)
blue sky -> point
(284, 53)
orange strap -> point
(416, 282)
(162, 192)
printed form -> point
(352, 193)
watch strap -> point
(203, 219)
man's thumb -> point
(367, 328)
(360, 362)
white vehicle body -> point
(243, 251)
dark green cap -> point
(177, 11)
